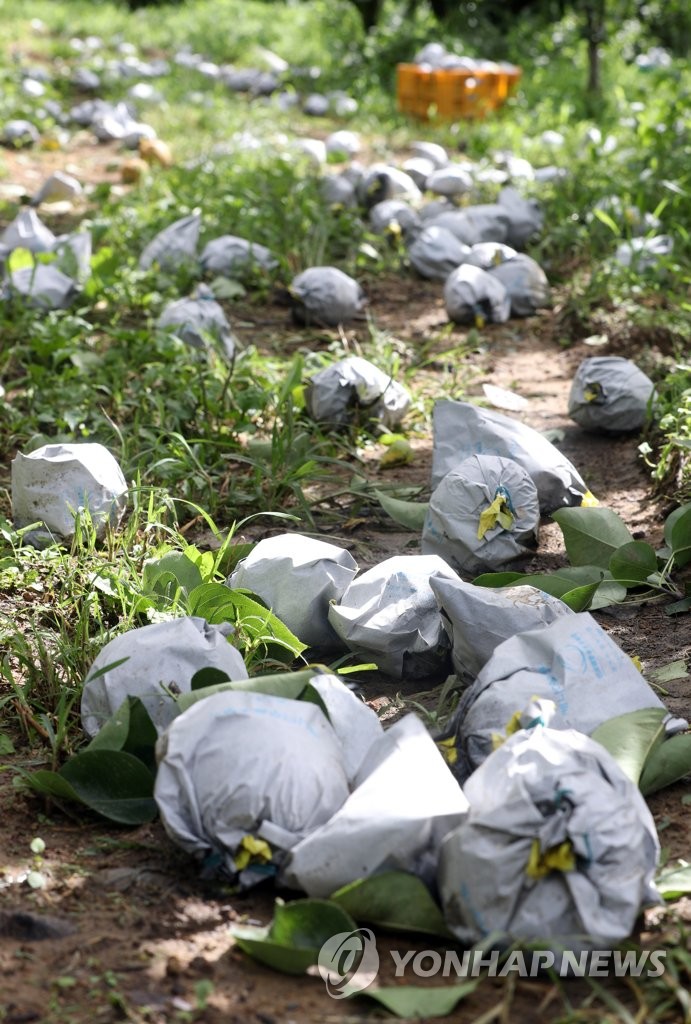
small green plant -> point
(667, 448)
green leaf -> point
(499, 579)
(50, 784)
(591, 535)
(633, 563)
(668, 673)
(410, 514)
(291, 685)
(631, 738)
(20, 259)
(672, 519)
(208, 676)
(678, 607)
(563, 581)
(226, 288)
(580, 587)
(605, 219)
(297, 933)
(668, 763)
(393, 899)
(608, 593)
(204, 561)
(170, 576)
(674, 882)
(130, 728)
(580, 598)
(217, 603)
(233, 554)
(113, 783)
(273, 954)
(680, 535)
(415, 1001)
(6, 744)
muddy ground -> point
(145, 939)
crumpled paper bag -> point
(558, 846)
(52, 483)
(479, 619)
(334, 393)
(244, 776)
(474, 296)
(297, 577)
(155, 659)
(389, 615)
(609, 394)
(483, 515)
(403, 803)
(462, 429)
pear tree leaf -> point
(633, 563)
(591, 535)
(421, 1003)
(669, 762)
(395, 900)
(410, 514)
(298, 931)
(632, 738)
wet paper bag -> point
(450, 180)
(297, 577)
(479, 619)
(56, 481)
(609, 394)
(486, 255)
(336, 394)
(482, 515)
(27, 231)
(474, 225)
(558, 846)
(389, 616)
(394, 217)
(462, 429)
(403, 803)
(643, 254)
(156, 663)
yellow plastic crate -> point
(453, 94)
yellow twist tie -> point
(250, 849)
(592, 392)
(558, 858)
(498, 512)
(448, 750)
